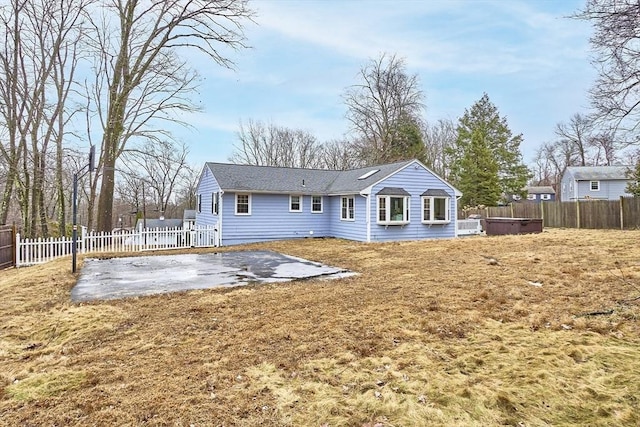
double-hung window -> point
(436, 207)
(316, 204)
(594, 185)
(243, 204)
(199, 203)
(393, 206)
(295, 203)
(348, 208)
(214, 203)
(545, 197)
(531, 196)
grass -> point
(429, 333)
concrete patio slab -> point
(102, 279)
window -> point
(243, 204)
(545, 196)
(531, 196)
(594, 185)
(435, 209)
(214, 203)
(347, 211)
(316, 204)
(199, 203)
(393, 209)
(295, 204)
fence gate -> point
(7, 246)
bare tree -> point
(577, 134)
(439, 139)
(270, 145)
(384, 110)
(160, 166)
(141, 78)
(338, 154)
(38, 58)
(616, 92)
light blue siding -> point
(207, 186)
(270, 219)
(345, 229)
(609, 190)
(414, 179)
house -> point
(396, 201)
(189, 219)
(594, 182)
(539, 193)
(159, 231)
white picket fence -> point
(38, 251)
(468, 227)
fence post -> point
(621, 213)
(511, 207)
(17, 251)
(577, 213)
(15, 245)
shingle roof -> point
(600, 173)
(540, 189)
(393, 191)
(271, 179)
(189, 214)
(160, 223)
(435, 193)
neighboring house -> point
(594, 182)
(161, 222)
(397, 201)
(189, 219)
(538, 194)
(155, 231)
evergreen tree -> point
(479, 183)
(482, 125)
(633, 187)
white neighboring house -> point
(594, 183)
(157, 231)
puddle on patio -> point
(115, 278)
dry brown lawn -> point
(429, 333)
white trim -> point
(368, 209)
(416, 162)
(248, 202)
(291, 196)
(321, 204)
(220, 216)
(352, 197)
(406, 206)
(431, 210)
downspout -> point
(368, 213)
(220, 210)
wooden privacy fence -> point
(38, 251)
(7, 246)
(622, 214)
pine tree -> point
(633, 187)
(479, 183)
(482, 131)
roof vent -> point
(368, 174)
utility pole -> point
(76, 176)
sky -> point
(532, 61)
